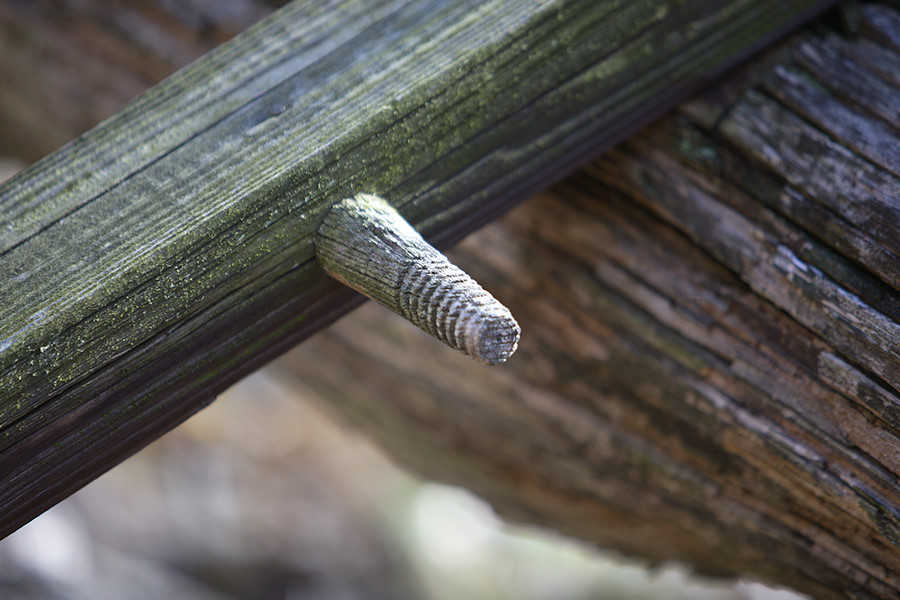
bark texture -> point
(710, 358)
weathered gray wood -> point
(708, 370)
(150, 263)
(364, 243)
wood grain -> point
(364, 243)
(708, 370)
(154, 260)
(65, 65)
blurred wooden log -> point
(169, 251)
(65, 65)
(710, 362)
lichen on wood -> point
(154, 260)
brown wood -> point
(154, 260)
(367, 245)
(67, 65)
(709, 368)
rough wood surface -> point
(153, 261)
(65, 65)
(709, 368)
(367, 245)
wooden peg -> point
(366, 244)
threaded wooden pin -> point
(366, 244)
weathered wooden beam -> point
(709, 368)
(153, 261)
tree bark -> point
(709, 368)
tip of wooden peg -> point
(495, 336)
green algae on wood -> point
(176, 236)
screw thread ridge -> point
(365, 243)
(444, 301)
